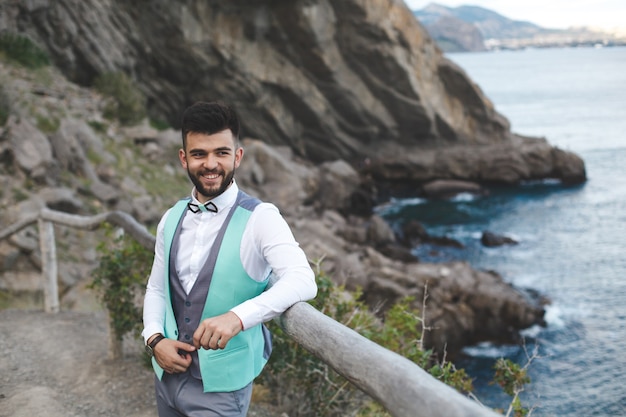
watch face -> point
(149, 351)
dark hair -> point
(209, 118)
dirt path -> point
(56, 365)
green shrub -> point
(120, 281)
(159, 124)
(512, 378)
(305, 386)
(97, 126)
(128, 104)
(5, 299)
(20, 194)
(22, 50)
(4, 115)
(47, 125)
(5, 107)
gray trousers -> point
(181, 395)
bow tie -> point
(209, 206)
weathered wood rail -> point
(46, 218)
(402, 387)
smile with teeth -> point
(211, 176)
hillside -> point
(458, 29)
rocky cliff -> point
(342, 97)
(57, 150)
(349, 79)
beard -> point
(211, 192)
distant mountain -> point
(465, 28)
(495, 26)
(473, 28)
(451, 33)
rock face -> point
(340, 79)
(344, 97)
(95, 165)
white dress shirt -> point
(268, 246)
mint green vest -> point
(243, 358)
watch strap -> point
(156, 340)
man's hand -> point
(173, 356)
(215, 332)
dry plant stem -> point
(423, 319)
(339, 391)
(475, 398)
(519, 390)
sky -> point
(553, 14)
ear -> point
(238, 156)
(183, 158)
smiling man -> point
(224, 264)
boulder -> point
(61, 199)
(338, 182)
(491, 239)
(463, 306)
(445, 189)
(273, 174)
(31, 149)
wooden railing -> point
(402, 387)
(45, 219)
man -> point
(224, 264)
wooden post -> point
(49, 266)
(116, 346)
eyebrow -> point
(220, 149)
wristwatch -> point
(150, 346)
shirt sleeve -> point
(154, 300)
(292, 279)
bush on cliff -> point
(128, 104)
(120, 281)
(303, 385)
(23, 51)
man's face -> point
(210, 161)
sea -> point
(571, 239)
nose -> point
(210, 162)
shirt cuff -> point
(150, 330)
(246, 315)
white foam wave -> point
(464, 197)
(554, 316)
(394, 205)
(489, 350)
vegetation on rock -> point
(22, 50)
(128, 104)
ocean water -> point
(572, 240)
